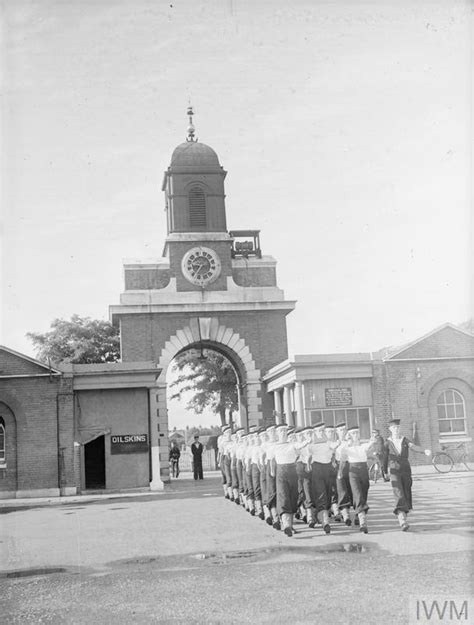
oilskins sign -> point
(128, 443)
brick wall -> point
(446, 342)
(33, 404)
(410, 391)
(10, 364)
(69, 474)
(254, 276)
(8, 474)
(144, 337)
(143, 279)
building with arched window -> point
(428, 384)
(82, 427)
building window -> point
(2, 441)
(451, 413)
(197, 208)
(351, 416)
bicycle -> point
(444, 460)
(375, 470)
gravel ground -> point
(189, 556)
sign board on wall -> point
(338, 396)
(128, 443)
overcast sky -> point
(344, 127)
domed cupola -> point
(193, 154)
(194, 187)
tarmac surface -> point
(187, 555)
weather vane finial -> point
(191, 129)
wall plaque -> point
(338, 396)
(128, 443)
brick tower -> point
(212, 288)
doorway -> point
(94, 463)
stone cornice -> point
(202, 308)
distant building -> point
(428, 384)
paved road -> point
(188, 555)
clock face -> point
(201, 265)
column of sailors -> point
(278, 474)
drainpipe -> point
(57, 443)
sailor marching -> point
(318, 474)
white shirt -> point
(227, 448)
(285, 453)
(321, 452)
(355, 453)
(257, 453)
(248, 454)
(338, 447)
(239, 454)
(304, 454)
(269, 451)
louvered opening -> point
(197, 208)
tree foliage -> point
(80, 340)
(212, 381)
(468, 325)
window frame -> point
(446, 418)
(335, 420)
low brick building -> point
(428, 384)
(83, 427)
(89, 427)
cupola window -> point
(197, 208)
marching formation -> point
(278, 473)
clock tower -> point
(211, 288)
(198, 245)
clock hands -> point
(198, 264)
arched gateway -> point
(212, 288)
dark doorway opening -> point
(94, 463)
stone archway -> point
(208, 331)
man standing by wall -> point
(197, 449)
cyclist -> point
(397, 448)
(380, 454)
(175, 455)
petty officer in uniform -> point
(285, 456)
(398, 447)
(354, 454)
(321, 454)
